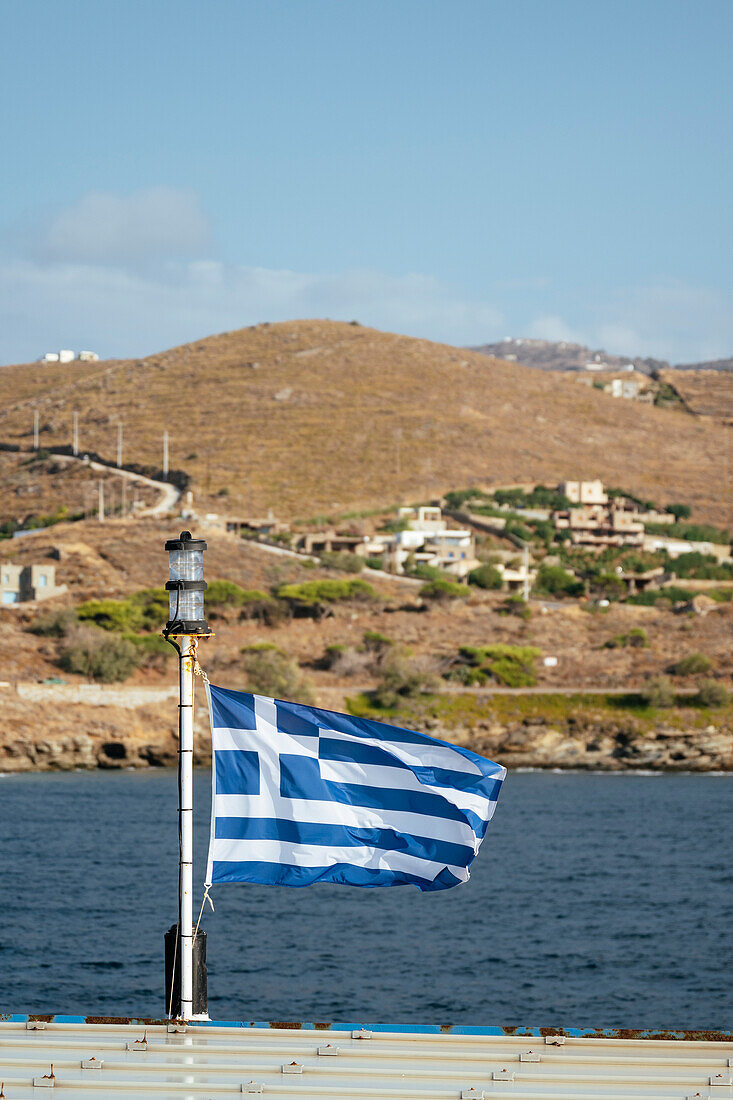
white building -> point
(584, 492)
(428, 540)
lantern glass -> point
(186, 604)
(186, 565)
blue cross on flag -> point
(302, 795)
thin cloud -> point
(159, 223)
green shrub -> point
(56, 624)
(375, 563)
(658, 692)
(374, 642)
(443, 589)
(510, 665)
(680, 511)
(313, 593)
(92, 652)
(693, 532)
(116, 615)
(145, 610)
(667, 596)
(423, 571)
(553, 580)
(636, 638)
(332, 654)
(486, 576)
(403, 678)
(271, 672)
(694, 664)
(712, 694)
(515, 605)
(343, 561)
(225, 594)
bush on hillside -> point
(144, 610)
(658, 692)
(636, 638)
(486, 576)
(271, 672)
(343, 561)
(663, 597)
(375, 642)
(510, 665)
(515, 605)
(403, 677)
(56, 624)
(317, 598)
(443, 589)
(694, 664)
(89, 651)
(712, 694)
(553, 580)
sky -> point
(461, 170)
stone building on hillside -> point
(598, 525)
(25, 583)
(584, 492)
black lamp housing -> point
(186, 586)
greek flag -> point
(302, 795)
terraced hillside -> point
(314, 417)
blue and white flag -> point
(302, 795)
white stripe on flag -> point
(401, 779)
(269, 804)
(310, 855)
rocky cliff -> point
(43, 737)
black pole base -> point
(173, 977)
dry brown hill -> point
(705, 392)
(317, 417)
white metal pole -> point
(35, 430)
(185, 771)
(75, 442)
(165, 456)
(119, 444)
(101, 502)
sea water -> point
(596, 900)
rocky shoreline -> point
(38, 737)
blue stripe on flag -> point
(301, 778)
(344, 874)
(339, 836)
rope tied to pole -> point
(198, 671)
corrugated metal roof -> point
(116, 1058)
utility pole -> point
(124, 496)
(75, 439)
(526, 572)
(119, 445)
(100, 505)
(165, 456)
(35, 430)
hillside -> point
(314, 417)
(562, 355)
(704, 392)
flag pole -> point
(185, 950)
(185, 810)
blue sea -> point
(596, 901)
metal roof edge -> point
(701, 1035)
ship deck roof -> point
(85, 1057)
